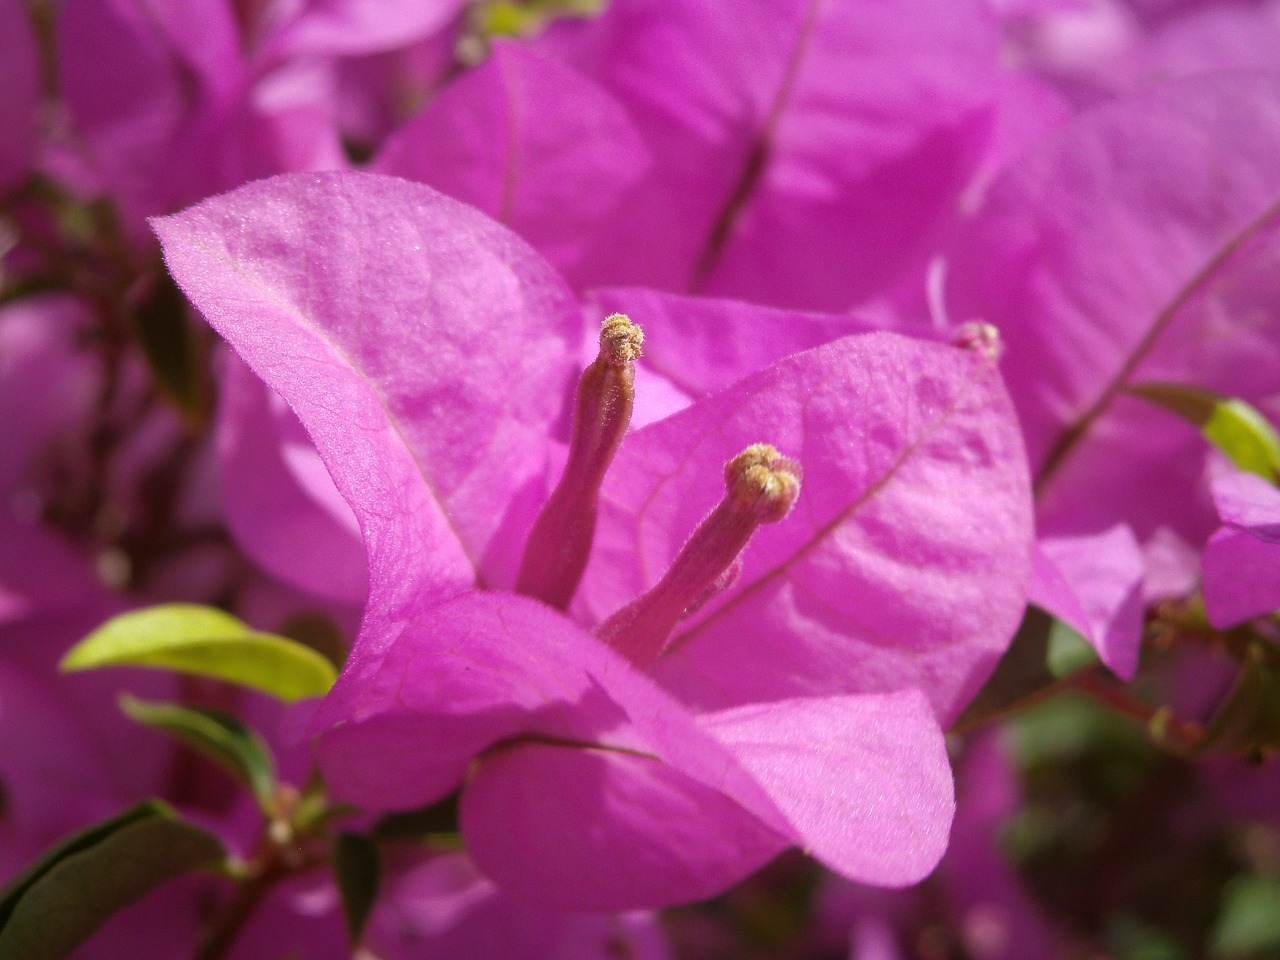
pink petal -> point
(323, 28)
(1248, 501)
(1241, 562)
(443, 909)
(803, 150)
(579, 829)
(1217, 37)
(863, 781)
(702, 344)
(68, 756)
(279, 501)
(1094, 583)
(424, 348)
(470, 672)
(555, 717)
(904, 562)
(1241, 577)
(532, 143)
(20, 81)
(587, 787)
(1140, 243)
(483, 667)
(979, 877)
(39, 570)
(1107, 478)
(48, 385)
(285, 122)
(144, 83)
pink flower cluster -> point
(955, 314)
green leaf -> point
(217, 735)
(79, 883)
(207, 642)
(440, 819)
(517, 18)
(1231, 425)
(173, 351)
(356, 869)
(1249, 923)
(1068, 650)
(1129, 938)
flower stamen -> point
(560, 542)
(761, 486)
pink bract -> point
(804, 152)
(1242, 557)
(1138, 244)
(20, 81)
(533, 144)
(429, 353)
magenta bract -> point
(428, 352)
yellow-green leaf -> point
(1230, 424)
(208, 642)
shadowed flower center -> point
(761, 486)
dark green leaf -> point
(78, 884)
(208, 642)
(1233, 426)
(217, 735)
(355, 867)
(438, 819)
(163, 326)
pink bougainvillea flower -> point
(1139, 244)
(1094, 583)
(68, 756)
(1093, 50)
(803, 151)
(236, 91)
(20, 81)
(327, 28)
(144, 83)
(442, 909)
(1241, 562)
(429, 352)
(48, 385)
(696, 346)
(292, 498)
(532, 143)
(975, 886)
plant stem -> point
(218, 938)
(1181, 735)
